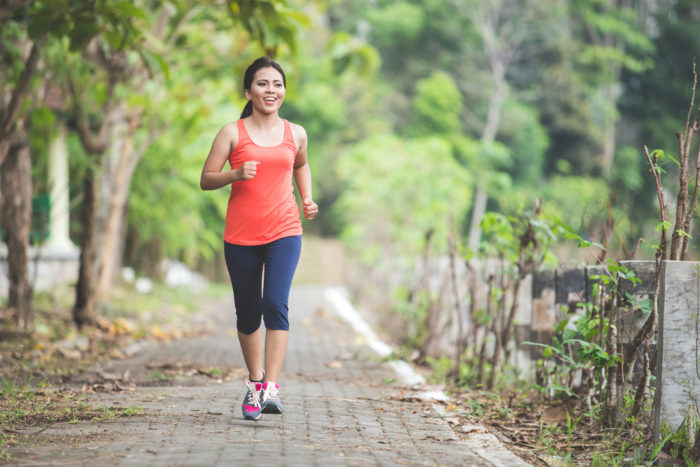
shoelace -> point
(270, 392)
(253, 397)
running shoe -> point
(251, 403)
(271, 398)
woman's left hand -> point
(310, 208)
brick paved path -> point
(341, 408)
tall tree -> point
(610, 40)
(16, 189)
(95, 140)
(26, 27)
(510, 33)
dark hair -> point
(262, 62)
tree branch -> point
(8, 117)
(93, 145)
(692, 100)
(659, 190)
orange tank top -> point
(263, 209)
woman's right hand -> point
(247, 170)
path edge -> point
(482, 443)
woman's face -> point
(267, 91)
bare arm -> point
(212, 175)
(302, 175)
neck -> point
(266, 121)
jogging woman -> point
(262, 237)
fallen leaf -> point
(472, 429)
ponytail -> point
(247, 110)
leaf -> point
(674, 160)
(128, 10)
(583, 243)
(562, 324)
(559, 388)
(82, 34)
(659, 153)
(153, 60)
(646, 306)
(301, 18)
(665, 225)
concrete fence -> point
(554, 294)
(678, 358)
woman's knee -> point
(276, 315)
(247, 325)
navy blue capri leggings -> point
(255, 298)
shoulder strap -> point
(242, 132)
(288, 134)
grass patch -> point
(26, 411)
(27, 406)
(34, 364)
(56, 349)
(160, 376)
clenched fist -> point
(310, 208)
(247, 170)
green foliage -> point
(615, 37)
(81, 20)
(572, 199)
(396, 23)
(170, 171)
(347, 52)
(576, 346)
(270, 22)
(627, 169)
(502, 235)
(679, 442)
(322, 110)
(439, 369)
(657, 101)
(527, 140)
(395, 191)
(11, 36)
(437, 105)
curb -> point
(482, 443)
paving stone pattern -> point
(341, 408)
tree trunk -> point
(123, 167)
(85, 309)
(496, 99)
(488, 330)
(612, 394)
(501, 354)
(478, 211)
(510, 323)
(431, 345)
(16, 185)
(498, 325)
(488, 135)
(609, 132)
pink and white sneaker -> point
(271, 398)
(251, 403)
